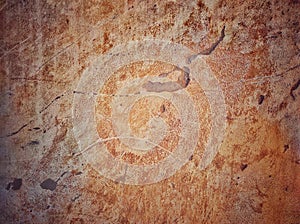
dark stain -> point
(154, 8)
(48, 184)
(15, 185)
(76, 197)
(34, 129)
(294, 87)
(69, 208)
(162, 108)
(191, 157)
(261, 99)
(296, 24)
(243, 166)
(78, 173)
(186, 78)
(201, 5)
(35, 142)
(282, 106)
(278, 108)
(286, 147)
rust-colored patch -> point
(46, 46)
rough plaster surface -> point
(150, 111)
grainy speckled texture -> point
(181, 64)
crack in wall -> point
(18, 131)
(56, 98)
(209, 50)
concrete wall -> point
(150, 111)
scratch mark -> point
(63, 173)
(259, 79)
(209, 50)
(14, 47)
(76, 197)
(53, 56)
(214, 46)
(294, 87)
(16, 132)
(121, 137)
(102, 94)
(99, 24)
(3, 6)
(88, 147)
(36, 80)
(84, 93)
(71, 44)
(292, 68)
(56, 98)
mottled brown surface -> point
(251, 47)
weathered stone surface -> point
(150, 111)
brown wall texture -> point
(143, 111)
